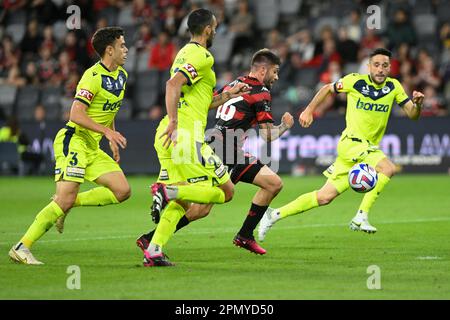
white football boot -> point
(267, 221)
(21, 254)
(361, 223)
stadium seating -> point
(7, 98)
(51, 100)
(27, 99)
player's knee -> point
(276, 185)
(65, 202)
(388, 170)
(204, 211)
(324, 198)
(122, 193)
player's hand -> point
(288, 120)
(418, 98)
(115, 151)
(306, 118)
(171, 135)
(239, 89)
(116, 138)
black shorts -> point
(245, 172)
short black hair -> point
(382, 51)
(265, 56)
(198, 20)
(105, 37)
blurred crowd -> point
(41, 60)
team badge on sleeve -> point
(339, 85)
(86, 94)
(190, 68)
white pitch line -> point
(229, 230)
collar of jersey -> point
(376, 85)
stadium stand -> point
(28, 29)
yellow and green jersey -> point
(195, 62)
(369, 105)
(102, 92)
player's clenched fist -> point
(418, 98)
(288, 120)
(306, 118)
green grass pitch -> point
(310, 256)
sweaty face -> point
(120, 51)
(271, 76)
(379, 68)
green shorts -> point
(190, 161)
(351, 151)
(76, 162)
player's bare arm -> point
(173, 93)
(237, 90)
(114, 148)
(412, 108)
(269, 132)
(79, 116)
(306, 117)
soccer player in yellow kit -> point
(190, 170)
(78, 156)
(369, 103)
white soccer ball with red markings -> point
(362, 177)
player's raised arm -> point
(79, 116)
(413, 107)
(173, 93)
(306, 117)
(269, 132)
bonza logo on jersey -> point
(112, 106)
(378, 107)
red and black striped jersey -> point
(246, 111)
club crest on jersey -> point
(192, 71)
(114, 86)
(86, 94)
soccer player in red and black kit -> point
(227, 138)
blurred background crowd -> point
(41, 60)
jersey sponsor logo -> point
(57, 171)
(192, 71)
(370, 91)
(197, 179)
(368, 106)
(86, 94)
(112, 106)
(75, 172)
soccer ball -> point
(362, 177)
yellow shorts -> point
(351, 151)
(189, 162)
(76, 162)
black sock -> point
(254, 215)
(181, 224)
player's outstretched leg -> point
(303, 203)
(114, 189)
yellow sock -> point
(168, 223)
(201, 194)
(303, 203)
(45, 219)
(100, 196)
(371, 196)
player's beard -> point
(374, 77)
(209, 41)
(268, 82)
